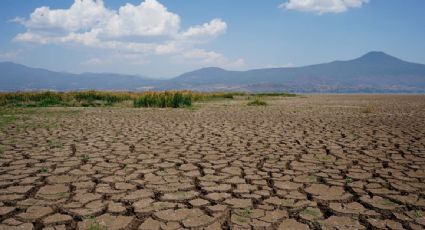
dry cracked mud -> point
(309, 162)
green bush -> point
(109, 98)
(49, 102)
(257, 102)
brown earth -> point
(309, 162)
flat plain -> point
(305, 162)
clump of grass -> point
(55, 144)
(418, 213)
(348, 180)
(245, 212)
(63, 194)
(44, 170)
(164, 100)
(257, 102)
(85, 158)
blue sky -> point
(164, 38)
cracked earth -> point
(310, 162)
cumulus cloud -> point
(150, 18)
(82, 15)
(211, 29)
(323, 6)
(147, 28)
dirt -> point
(308, 162)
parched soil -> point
(309, 162)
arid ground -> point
(308, 162)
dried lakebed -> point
(310, 162)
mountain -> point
(14, 77)
(371, 73)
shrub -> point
(257, 102)
(49, 102)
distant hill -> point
(375, 72)
(15, 77)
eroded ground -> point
(311, 162)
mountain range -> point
(374, 72)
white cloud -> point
(323, 6)
(82, 15)
(212, 29)
(148, 28)
(150, 18)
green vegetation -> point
(348, 180)
(57, 99)
(55, 144)
(63, 194)
(312, 212)
(418, 213)
(164, 100)
(170, 99)
(257, 102)
(245, 212)
(85, 158)
(219, 96)
(44, 170)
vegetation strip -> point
(166, 99)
